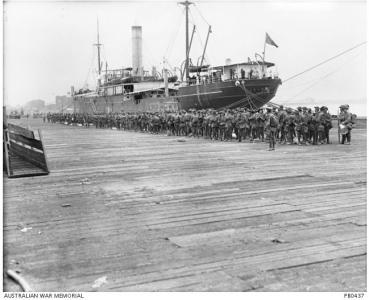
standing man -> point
(241, 126)
(281, 130)
(229, 124)
(253, 125)
(271, 127)
(346, 119)
(222, 125)
(328, 123)
(195, 123)
(299, 125)
(305, 126)
(316, 123)
(290, 126)
(260, 124)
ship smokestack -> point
(228, 61)
(137, 51)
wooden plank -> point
(7, 163)
(20, 130)
(36, 158)
(26, 141)
(23, 168)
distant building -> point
(37, 105)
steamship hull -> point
(251, 94)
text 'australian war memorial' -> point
(201, 167)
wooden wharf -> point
(131, 211)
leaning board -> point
(24, 155)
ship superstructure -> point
(248, 84)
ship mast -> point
(98, 45)
(187, 4)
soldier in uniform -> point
(222, 123)
(182, 123)
(346, 118)
(206, 125)
(253, 125)
(305, 126)
(260, 124)
(187, 120)
(229, 124)
(213, 125)
(195, 124)
(271, 127)
(240, 126)
(290, 127)
(281, 130)
(298, 125)
(200, 128)
(177, 121)
(321, 131)
(327, 123)
(315, 121)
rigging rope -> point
(316, 81)
(198, 10)
(206, 58)
(325, 61)
(174, 36)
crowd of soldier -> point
(284, 125)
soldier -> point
(177, 121)
(246, 115)
(206, 125)
(187, 120)
(240, 126)
(310, 125)
(195, 124)
(260, 120)
(281, 130)
(170, 127)
(222, 124)
(298, 125)
(305, 126)
(315, 123)
(253, 125)
(347, 120)
(182, 123)
(271, 127)
(229, 124)
(200, 128)
(327, 123)
(289, 128)
(321, 131)
(213, 125)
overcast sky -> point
(48, 45)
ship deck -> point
(127, 211)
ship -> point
(250, 84)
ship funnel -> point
(137, 51)
(228, 62)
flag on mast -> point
(269, 41)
